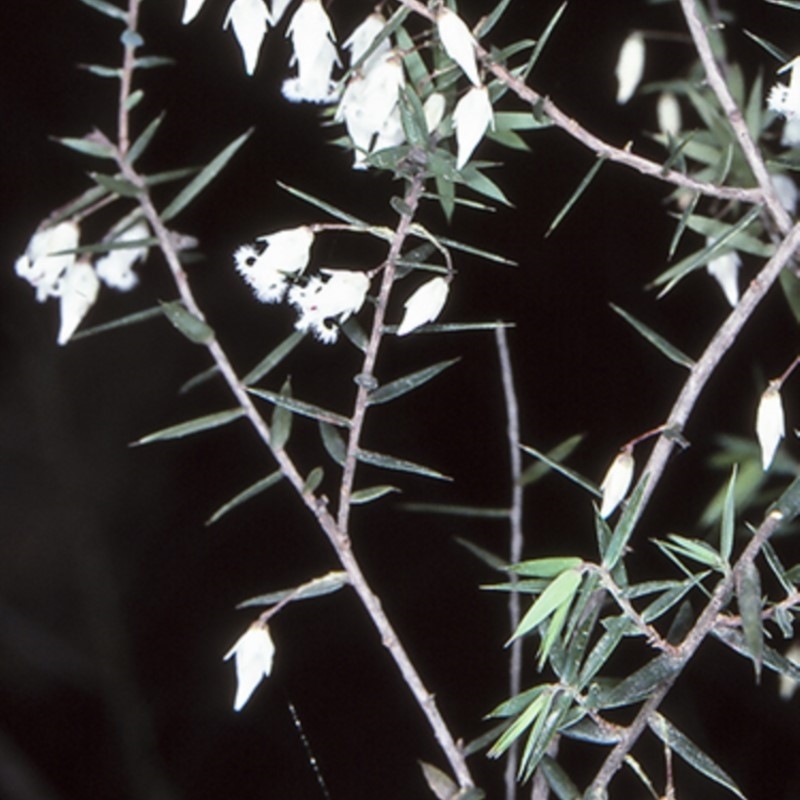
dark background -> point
(117, 604)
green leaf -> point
(192, 426)
(776, 52)
(143, 140)
(153, 62)
(86, 199)
(744, 242)
(412, 60)
(273, 358)
(115, 185)
(558, 593)
(772, 658)
(606, 646)
(102, 71)
(482, 554)
(542, 734)
(624, 527)
(670, 351)
(488, 22)
(400, 386)
(582, 186)
(544, 38)
(245, 495)
(335, 212)
(193, 328)
(545, 567)
(412, 117)
(748, 596)
(333, 442)
(527, 718)
(199, 379)
(87, 146)
(639, 685)
(691, 753)
(464, 248)
(694, 549)
(313, 480)
(455, 510)
(559, 782)
(281, 423)
(204, 177)
(122, 322)
(109, 9)
(479, 182)
(301, 407)
(399, 465)
(371, 493)
(537, 471)
(790, 284)
(728, 519)
(671, 597)
(134, 98)
(575, 477)
(317, 587)
(441, 784)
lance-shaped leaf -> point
(192, 426)
(772, 659)
(671, 597)
(695, 549)
(728, 519)
(625, 527)
(537, 705)
(88, 146)
(281, 423)
(301, 407)
(115, 185)
(400, 386)
(560, 592)
(659, 342)
(456, 510)
(313, 480)
(575, 196)
(545, 567)
(273, 358)
(335, 212)
(333, 442)
(193, 328)
(371, 493)
(691, 753)
(122, 322)
(574, 476)
(536, 472)
(109, 9)
(199, 379)
(484, 555)
(639, 685)
(142, 141)
(245, 495)
(557, 779)
(441, 784)
(748, 596)
(317, 587)
(399, 465)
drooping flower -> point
(770, 423)
(668, 112)
(424, 305)
(361, 39)
(324, 303)
(41, 265)
(785, 100)
(191, 10)
(786, 685)
(115, 269)
(725, 270)
(434, 107)
(266, 271)
(790, 137)
(786, 189)
(616, 482)
(630, 66)
(315, 54)
(249, 19)
(471, 117)
(458, 42)
(392, 133)
(78, 292)
(254, 651)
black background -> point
(116, 603)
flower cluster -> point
(51, 265)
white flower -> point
(785, 100)
(249, 19)
(362, 38)
(254, 651)
(668, 111)
(191, 10)
(471, 117)
(786, 685)
(725, 270)
(458, 42)
(325, 303)
(40, 265)
(616, 482)
(315, 53)
(79, 289)
(434, 110)
(391, 133)
(286, 255)
(770, 425)
(790, 137)
(424, 305)
(630, 66)
(115, 268)
(277, 9)
(786, 189)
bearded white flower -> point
(254, 651)
(725, 271)
(361, 39)
(668, 112)
(786, 189)
(324, 303)
(315, 54)
(458, 42)
(41, 265)
(471, 117)
(249, 19)
(79, 288)
(630, 67)
(191, 10)
(266, 271)
(434, 110)
(424, 305)
(785, 100)
(115, 269)
(616, 482)
(770, 424)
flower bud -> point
(249, 20)
(770, 424)
(668, 111)
(458, 42)
(254, 651)
(630, 66)
(424, 305)
(434, 111)
(471, 117)
(79, 289)
(725, 270)
(616, 482)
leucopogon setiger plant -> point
(415, 90)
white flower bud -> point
(191, 10)
(249, 19)
(79, 289)
(424, 305)
(785, 100)
(786, 189)
(725, 270)
(471, 117)
(362, 38)
(458, 42)
(254, 651)
(630, 66)
(616, 482)
(770, 424)
(115, 268)
(668, 111)
(41, 266)
(434, 111)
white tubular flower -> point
(786, 189)
(785, 100)
(191, 10)
(286, 255)
(616, 482)
(391, 133)
(40, 266)
(471, 117)
(790, 137)
(434, 110)
(315, 53)
(770, 424)
(630, 67)
(668, 111)
(254, 651)
(79, 289)
(725, 271)
(458, 42)
(424, 305)
(786, 685)
(278, 9)
(115, 269)
(325, 303)
(362, 38)
(249, 19)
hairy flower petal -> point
(41, 265)
(630, 66)
(785, 100)
(115, 269)
(458, 42)
(770, 424)
(254, 652)
(471, 117)
(616, 482)
(249, 19)
(424, 305)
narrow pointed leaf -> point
(109, 9)
(557, 779)
(193, 328)
(115, 185)
(492, 18)
(625, 526)
(695, 549)
(728, 519)
(122, 322)
(153, 62)
(102, 71)
(301, 407)
(333, 442)
(143, 140)
(199, 379)
(772, 659)
(640, 684)
(520, 725)
(452, 509)
(317, 587)
(247, 494)
(335, 212)
(542, 734)
(87, 147)
(281, 423)
(545, 567)
(313, 480)
(441, 784)
(776, 52)
(481, 553)
(399, 465)
(715, 228)
(479, 182)
(536, 472)
(465, 248)
(192, 426)
(748, 596)
(86, 199)
(134, 98)
(575, 477)
(659, 342)
(273, 358)
(560, 592)
(371, 493)
(582, 186)
(400, 386)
